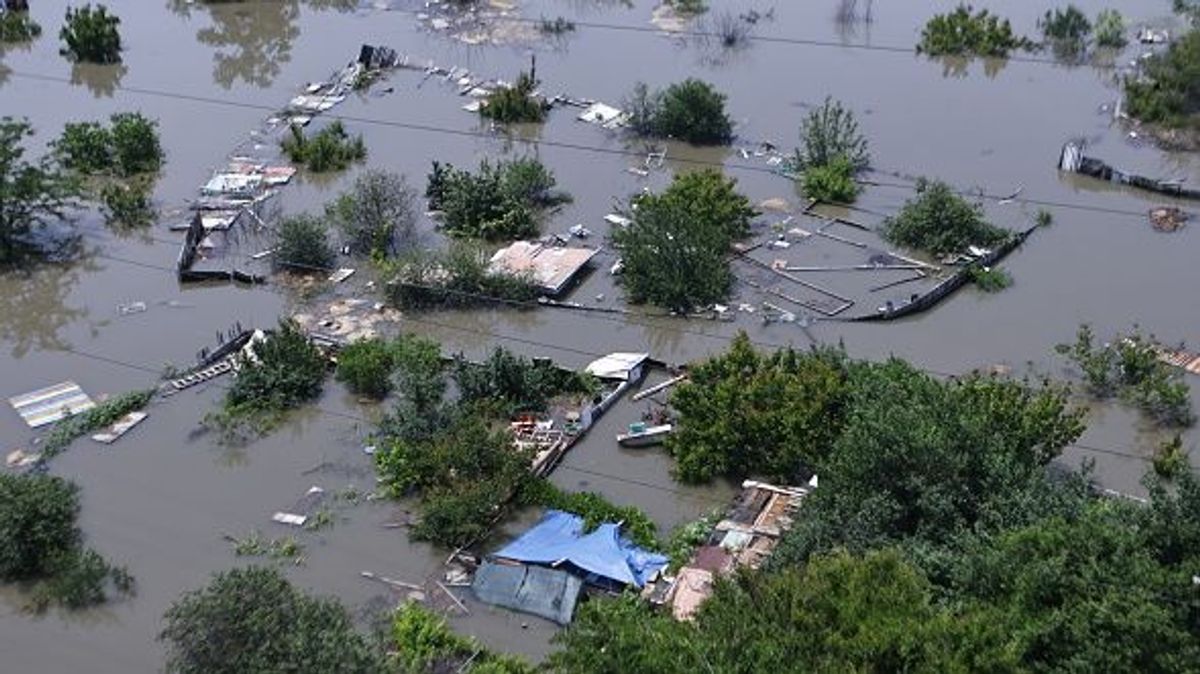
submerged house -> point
(546, 568)
(745, 537)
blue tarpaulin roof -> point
(559, 538)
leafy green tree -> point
(828, 134)
(966, 32)
(90, 34)
(500, 201)
(1070, 25)
(746, 413)
(691, 110)
(460, 276)
(365, 366)
(378, 215)
(136, 148)
(252, 620)
(85, 147)
(330, 149)
(518, 383)
(127, 206)
(940, 222)
(832, 182)
(423, 643)
(1110, 29)
(302, 244)
(17, 26)
(675, 250)
(1168, 93)
(285, 372)
(516, 103)
(31, 194)
(37, 524)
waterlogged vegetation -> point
(91, 34)
(41, 546)
(832, 151)
(966, 32)
(117, 164)
(457, 277)
(990, 279)
(377, 215)
(103, 414)
(675, 251)
(32, 194)
(501, 201)
(302, 244)
(691, 110)
(940, 222)
(1128, 368)
(330, 149)
(518, 103)
(1165, 92)
(17, 26)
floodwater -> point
(161, 498)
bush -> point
(939, 221)
(828, 133)
(40, 542)
(675, 250)
(1171, 460)
(691, 111)
(130, 146)
(515, 103)
(1069, 25)
(514, 383)
(302, 244)
(1129, 367)
(377, 216)
(595, 510)
(17, 26)
(457, 278)
(365, 366)
(499, 202)
(1110, 29)
(1166, 93)
(963, 32)
(90, 35)
(1044, 218)
(330, 149)
(253, 621)
(990, 279)
(832, 182)
(285, 372)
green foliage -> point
(100, 416)
(17, 26)
(378, 215)
(968, 33)
(838, 614)
(40, 542)
(457, 277)
(1069, 25)
(330, 149)
(256, 545)
(990, 279)
(1171, 460)
(1129, 368)
(1110, 29)
(365, 366)
(746, 413)
(515, 383)
(690, 110)
(830, 134)
(302, 244)
(500, 202)
(684, 540)
(832, 182)
(1044, 218)
(923, 460)
(127, 206)
(129, 146)
(675, 249)
(517, 103)
(252, 620)
(90, 35)
(595, 510)
(286, 372)
(422, 642)
(1166, 92)
(939, 221)
(31, 194)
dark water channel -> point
(160, 499)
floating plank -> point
(341, 275)
(45, 406)
(120, 427)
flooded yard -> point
(160, 498)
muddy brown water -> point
(160, 499)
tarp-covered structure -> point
(601, 557)
(539, 590)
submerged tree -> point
(675, 249)
(90, 35)
(17, 26)
(828, 132)
(302, 244)
(31, 194)
(378, 215)
(966, 32)
(691, 111)
(939, 221)
(516, 103)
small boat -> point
(641, 435)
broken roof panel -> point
(550, 267)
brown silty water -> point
(160, 499)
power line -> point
(577, 147)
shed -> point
(622, 366)
(552, 268)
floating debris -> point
(1167, 218)
(120, 427)
(300, 513)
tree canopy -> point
(675, 250)
(941, 222)
(32, 194)
(691, 110)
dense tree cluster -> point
(691, 110)
(500, 201)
